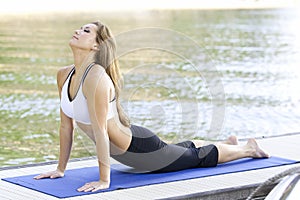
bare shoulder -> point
(97, 75)
(62, 74)
(97, 80)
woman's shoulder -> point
(95, 77)
(96, 73)
(62, 74)
(96, 69)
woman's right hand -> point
(53, 174)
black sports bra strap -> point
(86, 72)
(71, 72)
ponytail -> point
(106, 57)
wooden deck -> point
(229, 186)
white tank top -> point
(77, 108)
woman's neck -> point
(82, 58)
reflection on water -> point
(254, 52)
(27, 106)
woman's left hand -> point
(94, 186)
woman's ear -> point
(95, 47)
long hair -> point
(106, 57)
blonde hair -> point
(106, 57)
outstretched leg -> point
(232, 140)
(233, 152)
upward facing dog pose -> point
(89, 93)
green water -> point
(168, 59)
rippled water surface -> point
(187, 74)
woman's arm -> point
(66, 126)
(65, 141)
(65, 134)
(96, 89)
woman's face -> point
(85, 38)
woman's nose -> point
(77, 32)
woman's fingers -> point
(54, 174)
(45, 175)
(39, 176)
(85, 187)
(93, 186)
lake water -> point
(187, 74)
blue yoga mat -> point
(121, 178)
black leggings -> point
(148, 153)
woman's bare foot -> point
(232, 140)
(257, 152)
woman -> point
(89, 92)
